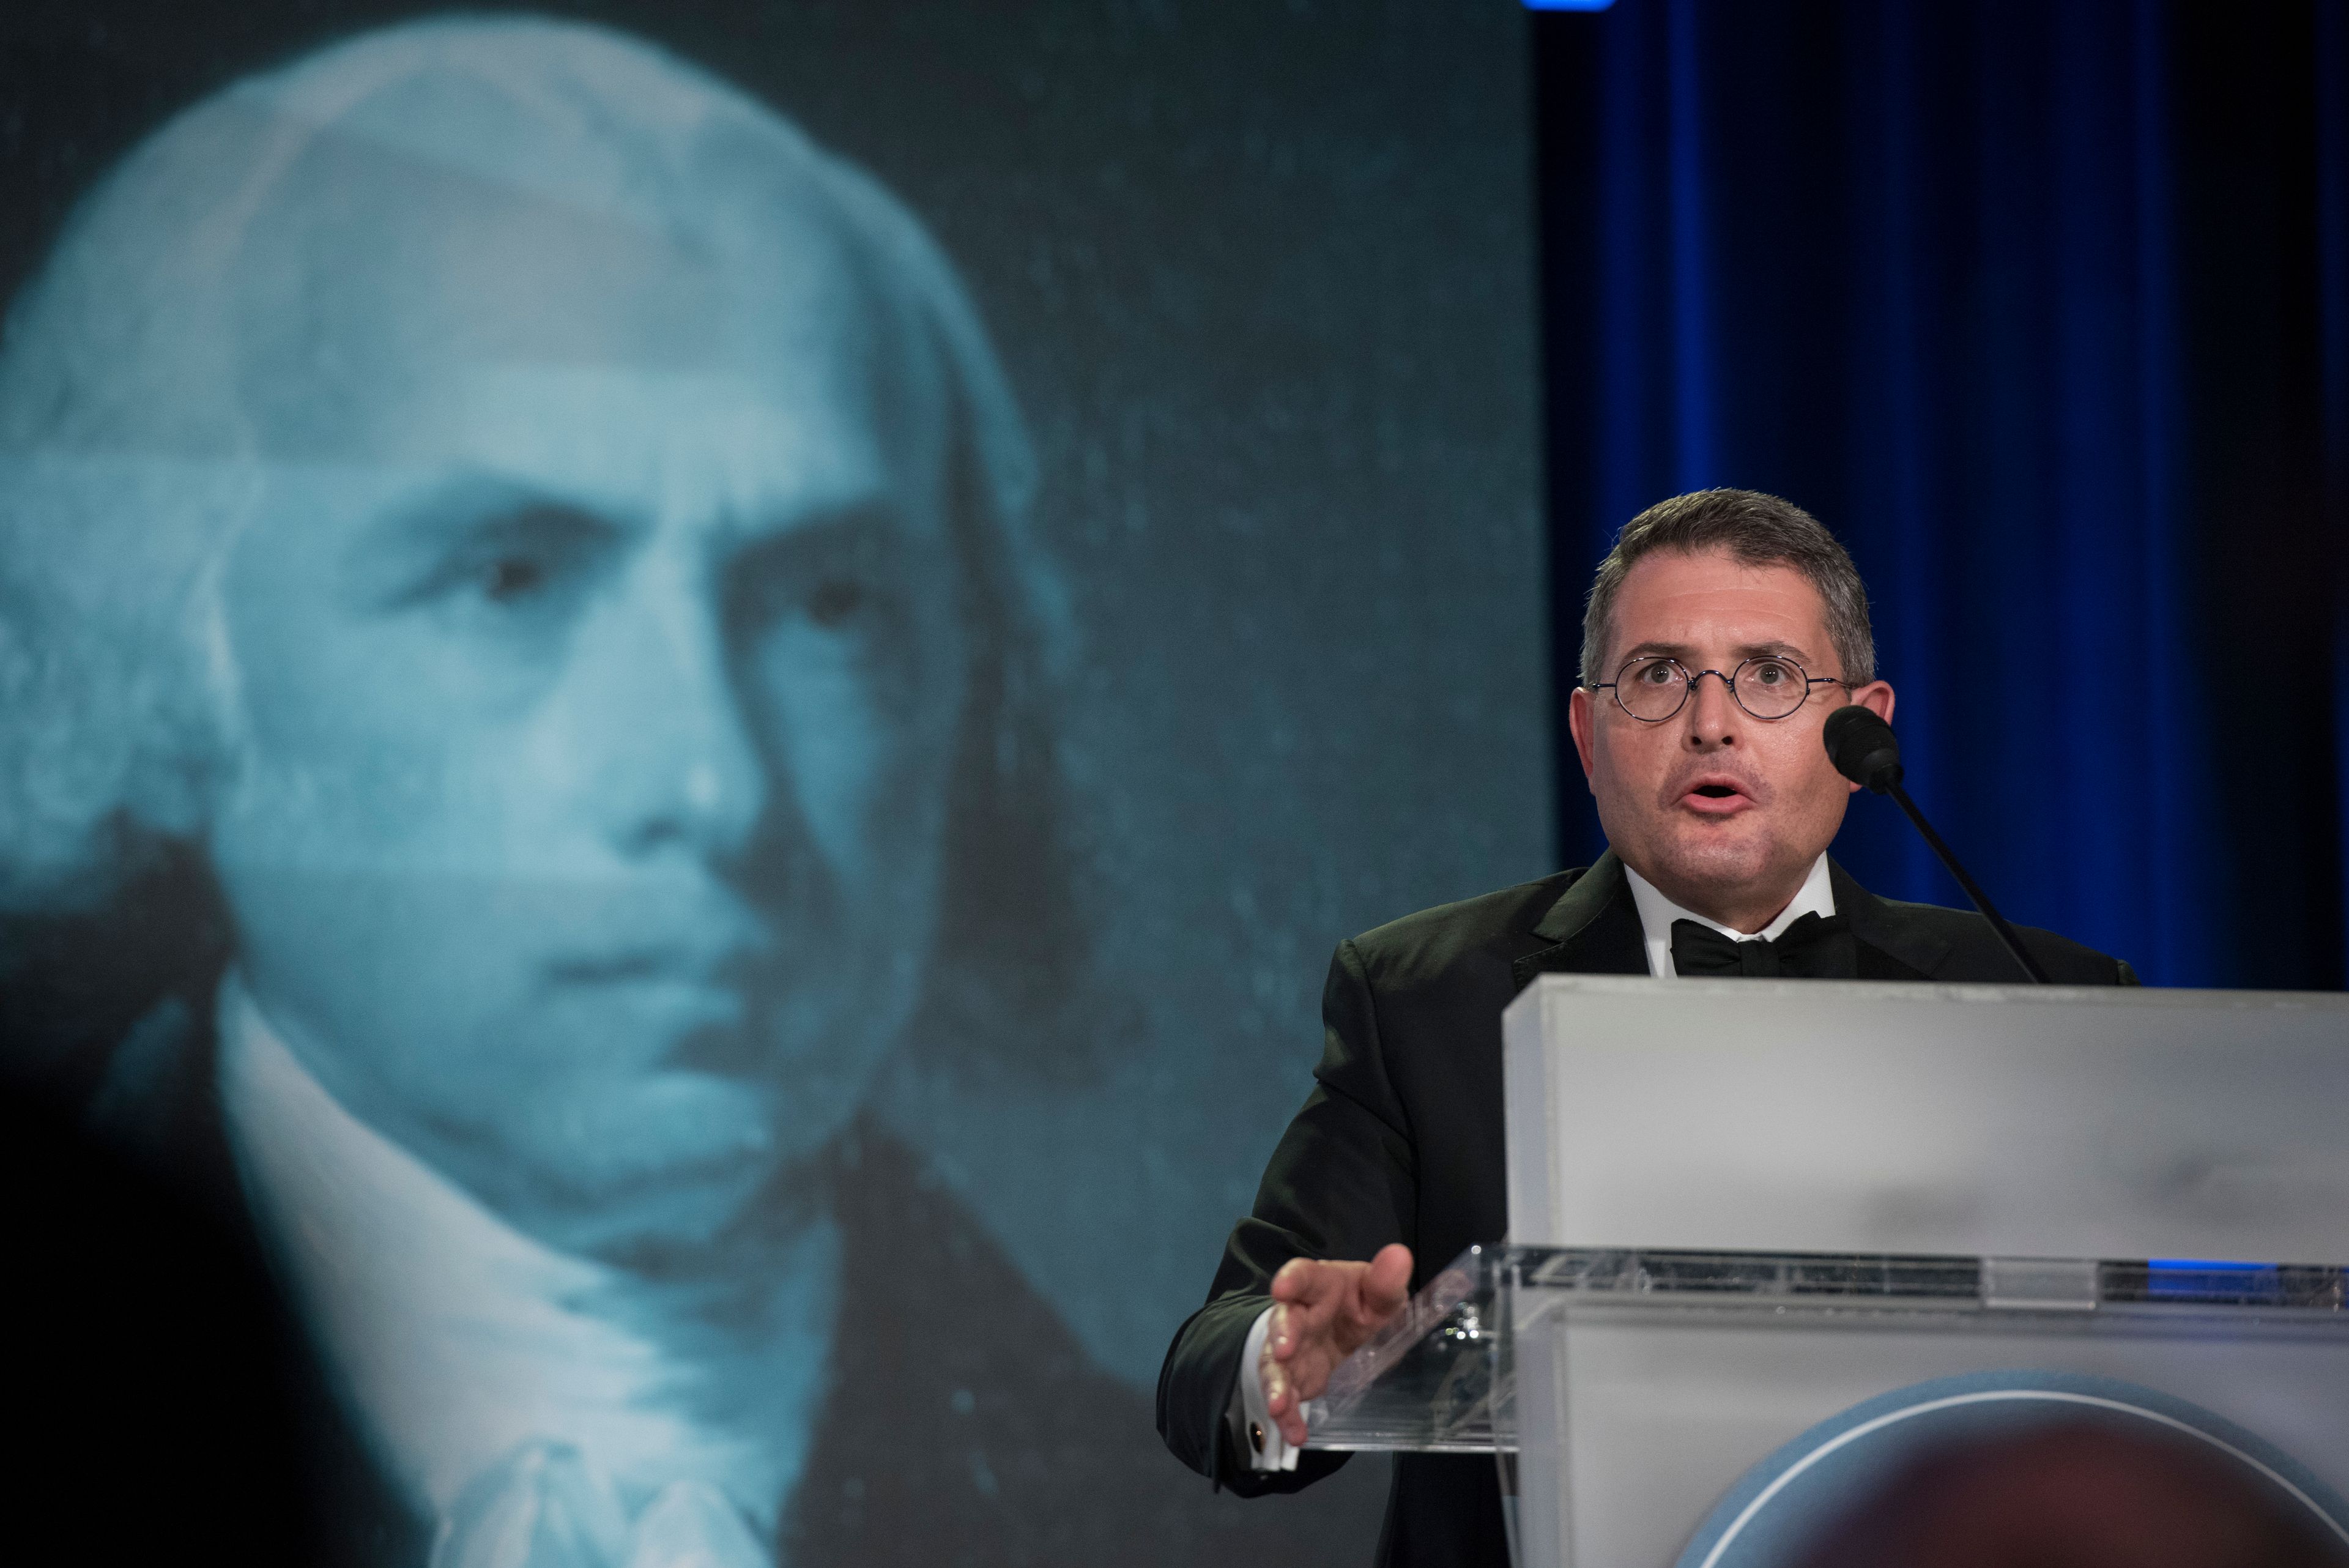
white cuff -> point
(1260, 1441)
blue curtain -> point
(2041, 307)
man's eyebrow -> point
(1774, 650)
(1681, 651)
(461, 504)
(416, 533)
(854, 525)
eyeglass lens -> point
(1654, 688)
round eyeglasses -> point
(1654, 687)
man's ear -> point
(1583, 720)
(1875, 697)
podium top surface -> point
(1809, 1117)
(1920, 993)
(1437, 1379)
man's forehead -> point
(414, 319)
(300, 247)
(1674, 599)
(515, 191)
(712, 448)
(443, 260)
(743, 367)
(572, 113)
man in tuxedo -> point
(1720, 631)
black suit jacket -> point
(1400, 1141)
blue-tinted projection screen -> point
(688, 702)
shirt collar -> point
(454, 1338)
(1657, 913)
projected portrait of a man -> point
(521, 555)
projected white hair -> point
(131, 458)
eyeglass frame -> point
(1689, 678)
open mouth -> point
(1716, 797)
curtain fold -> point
(2039, 306)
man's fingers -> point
(1320, 1311)
(1379, 1290)
(1307, 1381)
(1306, 1300)
(1308, 1280)
(1300, 1379)
(1341, 1303)
(1387, 1284)
(1286, 1393)
(1281, 1334)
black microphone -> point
(1865, 751)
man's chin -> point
(696, 1202)
(1728, 858)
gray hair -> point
(129, 456)
(1758, 530)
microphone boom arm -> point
(1973, 889)
(1865, 751)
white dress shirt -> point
(1657, 913)
(459, 1342)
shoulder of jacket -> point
(2067, 962)
(1449, 931)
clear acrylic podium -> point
(1779, 1222)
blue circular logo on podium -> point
(1863, 1483)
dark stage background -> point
(2045, 309)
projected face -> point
(599, 662)
(1723, 812)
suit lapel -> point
(1593, 929)
(1888, 947)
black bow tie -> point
(1811, 948)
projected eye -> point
(776, 594)
(844, 578)
(836, 601)
(831, 619)
(513, 577)
(514, 566)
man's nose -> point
(655, 703)
(1712, 711)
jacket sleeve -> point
(1342, 1183)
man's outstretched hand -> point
(1321, 1313)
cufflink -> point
(1256, 1435)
